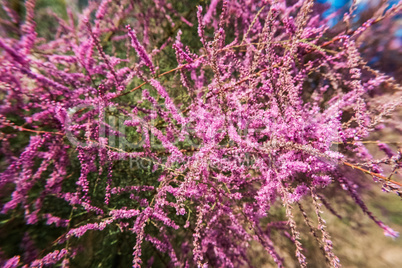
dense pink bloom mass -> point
(275, 107)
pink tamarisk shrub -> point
(107, 145)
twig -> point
(372, 173)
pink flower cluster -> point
(273, 108)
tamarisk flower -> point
(140, 49)
(266, 108)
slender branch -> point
(372, 173)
